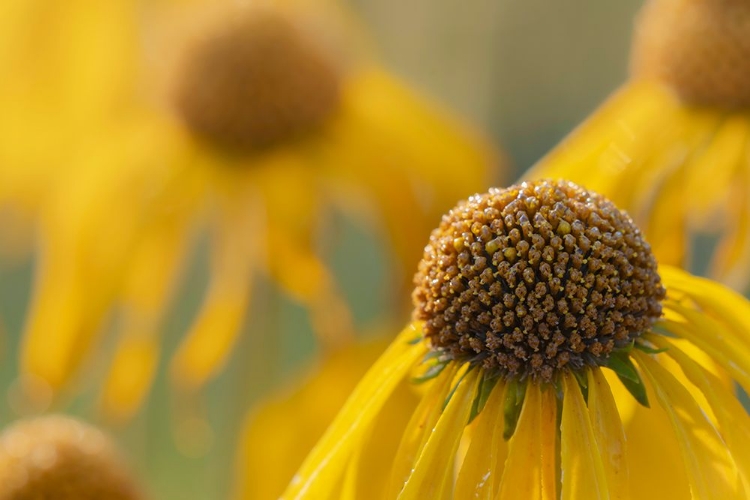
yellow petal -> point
(609, 434)
(214, 332)
(713, 338)
(482, 466)
(583, 474)
(420, 426)
(432, 476)
(323, 468)
(733, 420)
(712, 473)
(530, 469)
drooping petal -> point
(482, 467)
(530, 469)
(323, 467)
(733, 420)
(712, 472)
(155, 265)
(418, 429)
(214, 332)
(609, 434)
(583, 473)
(432, 476)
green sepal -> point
(636, 389)
(516, 392)
(416, 340)
(486, 384)
(431, 372)
(621, 364)
(650, 350)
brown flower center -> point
(254, 82)
(58, 457)
(700, 48)
(536, 278)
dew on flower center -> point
(536, 278)
(700, 48)
(254, 82)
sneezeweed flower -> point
(671, 145)
(261, 131)
(530, 303)
(62, 458)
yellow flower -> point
(671, 145)
(62, 458)
(264, 130)
(530, 303)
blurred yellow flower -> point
(523, 297)
(264, 123)
(671, 146)
(61, 458)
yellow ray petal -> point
(418, 429)
(723, 304)
(583, 473)
(432, 476)
(323, 467)
(289, 189)
(482, 466)
(609, 434)
(733, 420)
(214, 332)
(712, 337)
(730, 264)
(530, 469)
(155, 266)
(712, 473)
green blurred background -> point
(526, 72)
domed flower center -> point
(700, 48)
(58, 457)
(254, 82)
(537, 278)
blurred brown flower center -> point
(700, 48)
(255, 82)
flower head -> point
(268, 134)
(670, 146)
(529, 280)
(62, 458)
(499, 416)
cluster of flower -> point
(558, 345)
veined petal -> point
(482, 467)
(530, 469)
(418, 429)
(723, 304)
(583, 473)
(712, 472)
(432, 476)
(324, 465)
(713, 338)
(733, 420)
(609, 434)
